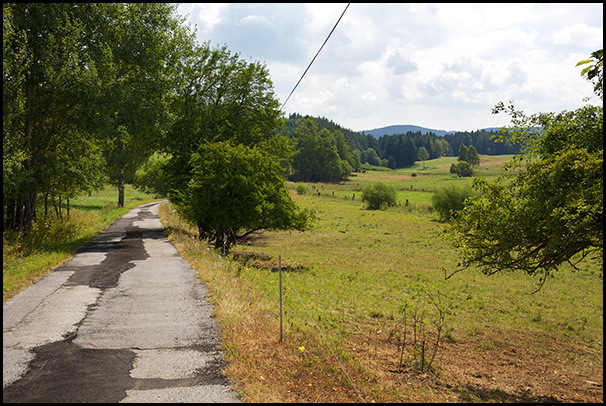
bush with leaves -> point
(236, 190)
(449, 200)
(462, 168)
(301, 189)
(379, 195)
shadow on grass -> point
(86, 207)
(471, 393)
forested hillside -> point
(401, 150)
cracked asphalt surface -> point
(125, 321)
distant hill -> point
(403, 129)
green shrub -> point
(379, 195)
(52, 230)
(149, 177)
(447, 201)
(462, 168)
(301, 189)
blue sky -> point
(442, 66)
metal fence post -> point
(280, 283)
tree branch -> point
(248, 232)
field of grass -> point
(364, 297)
(52, 242)
(415, 184)
(367, 279)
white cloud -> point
(437, 65)
(579, 33)
(205, 15)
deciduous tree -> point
(317, 156)
(463, 152)
(49, 76)
(144, 42)
(547, 209)
(235, 190)
(472, 157)
(225, 148)
(423, 155)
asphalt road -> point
(125, 321)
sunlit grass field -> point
(356, 270)
(358, 263)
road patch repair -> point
(125, 321)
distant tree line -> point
(402, 150)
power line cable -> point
(317, 53)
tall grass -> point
(52, 240)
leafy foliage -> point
(149, 178)
(548, 208)
(462, 168)
(224, 171)
(423, 155)
(472, 157)
(468, 159)
(145, 40)
(84, 96)
(321, 155)
(450, 200)
(379, 195)
(48, 74)
(595, 71)
(235, 190)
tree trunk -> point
(9, 217)
(121, 187)
(19, 212)
(29, 209)
(55, 206)
(46, 205)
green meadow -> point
(357, 263)
(360, 288)
(360, 274)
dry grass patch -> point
(261, 368)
